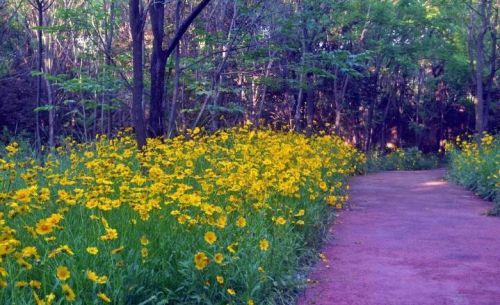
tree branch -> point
(184, 27)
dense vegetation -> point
(409, 73)
(227, 218)
(193, 151)
(400, 159)
(477, 167)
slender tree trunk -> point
(51, 113)
(493, 66)
(137, 32)
(479, 69)
(109, 61)
(300, 97)
(173, 105)
(158, 65)
(310, 106)
(418, 101)
(40, 71)
(373, 102)
(264, 90)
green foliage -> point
(477, 167)
(400, 159)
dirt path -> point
(410, 239)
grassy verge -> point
(223, 219)
(400, 159)
(477, 167)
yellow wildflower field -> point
(226, 218)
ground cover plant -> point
(400, 159)
(477, 167)
(213, 219)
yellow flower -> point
(231, 291)
(241, 222)
(91, 275)
(220, 279)
(68, 292)
(50, 238)
(92, 250)
(21, 284)
(232, 248)
(35, 284)
(103, 297)
(23, 263)
(54, 219)
(43, 227)
(63, 273)
(110, 234)
(219, 257)
(323, 186)
(144, 252)
(210, 237)
(221, 221)
(250, 302)
(117, 250)
(62, 249)
(201, 260)
(48, 299)
(264, 244)
(280, 220)
(144, 240)
(29, 252)
(12, 148)
(300, 213)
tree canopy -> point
(404, 72)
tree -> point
(137, 20)
(159, 59)
(41, 6)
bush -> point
(400, 159)
(477, 167)
(226, 218)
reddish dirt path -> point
(409, 239)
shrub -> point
(225, 218)
(477, 167)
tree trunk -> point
(374, 101)
(493, 69)
(108, 97)
(158, 65)
(479, 69)
(264, 90)
(137, 32)
(300, 97)
(40, 71)
(173, 105)
(159, 59)
(51, 113)
(310, 106)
